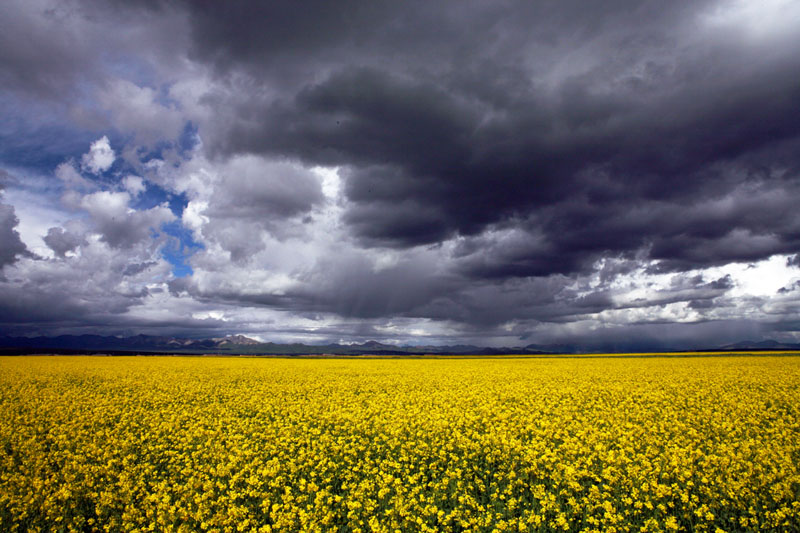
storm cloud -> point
(442, 171)
(445, 131)
(11, 246)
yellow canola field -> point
(233, 444)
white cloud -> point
(100, 156)
(71, 178)
(106, 204)
(136, 109)
(331, 181)
(761, 278)
(134, 185)
(756, 19)
(193, 217)
(119, 224)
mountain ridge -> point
(238, 344)
(243, 345)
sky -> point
(620, 175)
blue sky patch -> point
(179, 248)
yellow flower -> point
(479, 444)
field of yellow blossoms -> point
(246, 444)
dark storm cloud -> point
(352, 289)
(70, 302)
(420, 33)
(11, 246)
(488, 305)
(666, 336)
(347, 286)
(462, 177)
(137, 268)
(544, 136)
(36, 54)
(452, 119)
(22, 313)
(502, 165)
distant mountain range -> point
(760, 345)
(239, 344)
(233, 344)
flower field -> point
(507, 444)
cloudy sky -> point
(622, 174)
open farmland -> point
(604, 444)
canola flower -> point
(387, 445)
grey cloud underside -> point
(93, 290)
(413, 289)
(61, 241)
(259, 195)
(73, 299)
